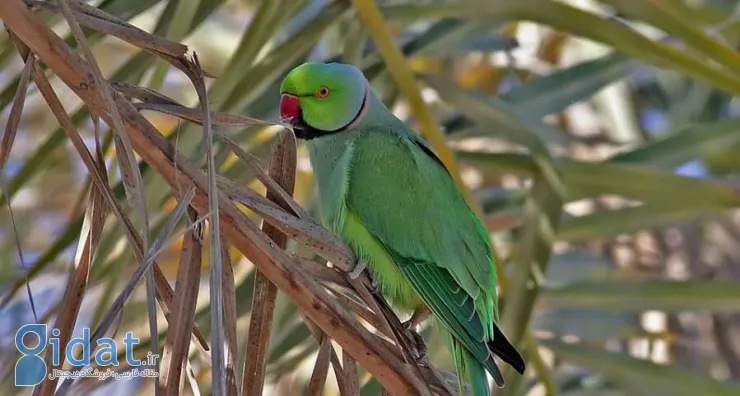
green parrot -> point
(384, 191)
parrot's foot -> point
(418, 347)
(375, 288)
(419, 316)
(360, 266)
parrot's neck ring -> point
(307, 132)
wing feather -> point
(408, 200)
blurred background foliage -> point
(636, 291)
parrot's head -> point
(323, 98)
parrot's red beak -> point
(290, 107)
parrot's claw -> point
(419, 348)
(416, 319)
(375, 288)
(358, 268)
(408, 325)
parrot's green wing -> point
(408, 201)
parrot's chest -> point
(331, 157)
(393, 284)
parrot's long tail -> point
(470, 370)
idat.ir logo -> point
(31, 368)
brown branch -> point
(143, 94)
(14, 118)
(282, 168)
(114, 26)
(276, 190)
(321, 368)
(165, 297)
(87, 15)
(321, 272)
(390, 325)
(182, 318)
(363, 312)
(307, 233)
(352, 382)
(335, 362)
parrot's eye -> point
(323, 92)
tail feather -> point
(503, 349)
(475, 374)
(492, 368)
(470, 370)
(471, 365)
